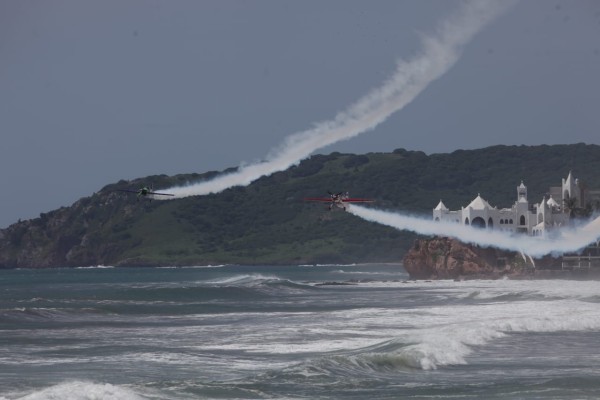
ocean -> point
(293, 332)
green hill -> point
(267, 222)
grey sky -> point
(96, 91)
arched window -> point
(490, 223)
(511, 221)
(467, 221)
(522, 220)
(478, 222)
(501, 221)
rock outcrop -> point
(445, 258)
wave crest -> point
(259, 281)
(79, 390)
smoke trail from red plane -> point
(563, 241)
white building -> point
(533, 219)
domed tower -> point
(521, 209)
(521, 192)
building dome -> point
(479, 204)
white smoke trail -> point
(439, 53)
(566, 240)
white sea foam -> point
(243, 279)
(426, 337)
(447, 335)
(341, 271)
(326, 265)
(79, 390)
(486, 289)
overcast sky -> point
(92, 92)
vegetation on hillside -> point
(267, 222)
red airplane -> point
(340, 200)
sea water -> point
(294, 332)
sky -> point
(92, 92)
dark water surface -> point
(352, 332)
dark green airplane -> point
(145, 191)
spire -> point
(441, 206)
(568, 188)
(569, 178)
(544, 203)
(522, 192)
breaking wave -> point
(78, 390)
(259, 282)
(448, 340)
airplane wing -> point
(127, 190)
(162, 194)
(357, 200)
(321, 199)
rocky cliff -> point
(66, 237)
(445, 258)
